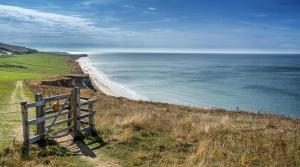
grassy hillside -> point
(13, 70)
(156, 134)
(33, 66)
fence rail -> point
(66, 112)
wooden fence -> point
(66, 113)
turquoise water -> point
(252, 82)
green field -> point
(20, 67)
(13, 70)
(31, 66)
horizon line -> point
(167, 50)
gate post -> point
(75, 106)
(24, 112)
(40, 112)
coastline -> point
(98, 81)
(102, 82)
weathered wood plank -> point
(86, 129)
(87, 115)
(85, 110)
(69, 123)
(34, 104)
(84, 122)
(84, 98)
(58, 123)
(54, 111)
(58, 97)
(88, 102)
(61, 130)
(36, 138)
(38, 120)
(91, 116)
(47, 99)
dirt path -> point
(10, 120)
(18, 96)
(97, 159)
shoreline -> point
(94, 77)
(103, 83)
(110, 88)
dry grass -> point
(197, 137)
(51, 155)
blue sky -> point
(217, 25)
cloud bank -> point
(45, 29)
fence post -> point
(75, 102)
(24, 112)
(91, 118)
(40, 112)
(69, 123)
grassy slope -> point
(12, 70)
(155, 134)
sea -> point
(266, 83)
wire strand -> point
(7, 104)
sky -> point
(207, 25)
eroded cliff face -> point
(70, 81)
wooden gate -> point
(66, 113)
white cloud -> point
(97, 2)
(151, 8)
(110, 19)
(266, 26)
(129, 6)
(36, 23)
(30, 15)
(63, 30)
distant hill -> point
(16, 49)
(74, 56)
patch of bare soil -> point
(17, 96)
(82, 149)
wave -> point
(102, 81)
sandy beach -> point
(102, 82)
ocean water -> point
(252, 82)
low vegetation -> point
(156, 134)
(51, 155)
